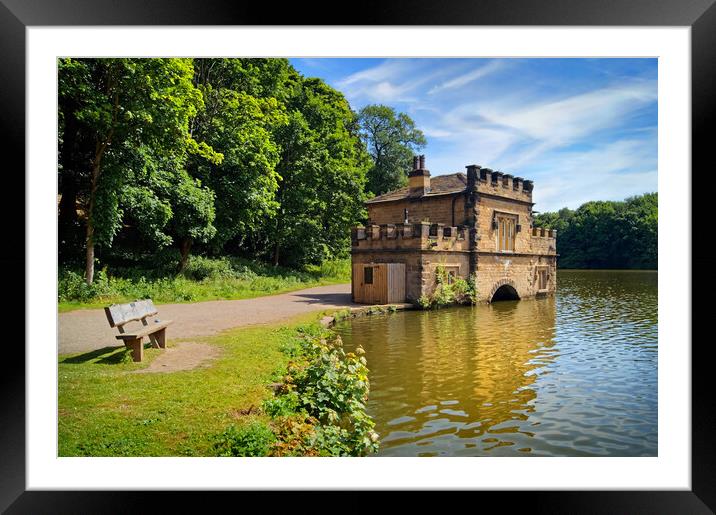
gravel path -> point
(87, 329)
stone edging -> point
(329, 321)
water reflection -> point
(573, 375)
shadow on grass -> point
(105, 355)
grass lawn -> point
(206, 279)
(225, 289)
(106, 410)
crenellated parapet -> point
(419, 236)
(501, 184)
(543, 241)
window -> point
(541, 279)
(452, 272)
(506, 230)
(368, 275)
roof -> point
(439, 185)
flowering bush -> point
(320, 408)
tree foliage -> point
(322, 169)
(122, 121)
(391, 139)
(239, 125)
(238, 156)
(607, 234)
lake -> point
(570, 375)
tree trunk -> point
(275, 254)
(184, 249)
(100, 147)
(89, 260)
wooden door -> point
(396, 283)
(370, 283)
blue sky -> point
(581, 129)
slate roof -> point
(439, 185)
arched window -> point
(506, 227)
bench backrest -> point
(120, 314)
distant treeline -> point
(606, 234)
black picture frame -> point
(17, 15)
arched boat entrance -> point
(505, 292)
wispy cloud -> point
(467, 78)
(392, 81)
(540, 126)
(564, 120)
(582, 129)
(611, 171)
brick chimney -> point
(419, 178)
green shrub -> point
(72, 286)
(200, 268)
(329, 440)
(425, 301)
(320, 408)
(333, 386)
(445, 293)
(282, 406)
(253, 439)
(338, 268)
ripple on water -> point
(572, 375)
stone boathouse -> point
(476, 224)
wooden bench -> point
(119, 315)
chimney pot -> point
(419, 179)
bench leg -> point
(162, 338)
(136, 347)
(155, 341)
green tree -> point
(116, 116)
(241, 127)
(607, 234)
(322, 170)
(391, 139)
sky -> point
(581, 129)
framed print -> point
(669, 51)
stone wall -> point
(437, 209)
(488, 236)
(450, 260)
(494, 270)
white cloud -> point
(538, 127)
(388, 69)
(552, 194)
(469, 77)
(611, 171)
(431, 132)
(392, 81)
(568, 119)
